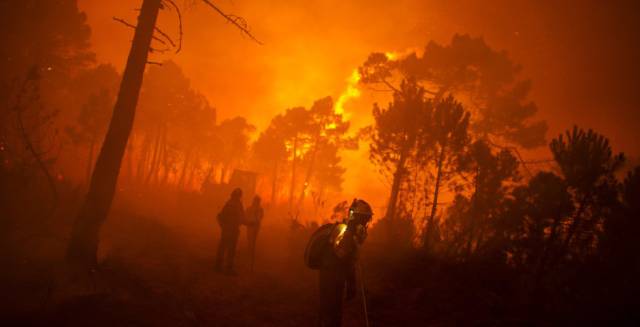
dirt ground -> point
(158, 270)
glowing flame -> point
(301, 149)
(391, 56)
(350, 92)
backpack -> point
(317, 245)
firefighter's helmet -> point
(360, 211)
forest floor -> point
(157, 269)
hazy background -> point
(581, 55)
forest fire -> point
(350, 92)
(274, 163)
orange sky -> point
(582, 59)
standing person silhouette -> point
(254, 216)
(333, 250)
(229, 218)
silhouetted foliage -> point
(531, 227)
(469, 69)
(394, 136)
(447, 132)
(588, 166)
(305, 144)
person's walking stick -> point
(364, 298)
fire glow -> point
(350, 92)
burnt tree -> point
(84, 237)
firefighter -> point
(229, 218)
(338, 262)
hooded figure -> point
(229, 218)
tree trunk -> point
(274, 184)
(183, 173)
(397, 181)
(83, 246)
(224, 174)
(90, 161)
(162, 154)
(192, 172)
(293, 174)
(154, 159)
(434, 206)
(220, 173)
(206, 182)
(129, 154)
(167, 165)
(474, 215)
(414, 200)
(142, 160)
(309, 173)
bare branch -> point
(157, 29)
(377, 90)
(124, 22)
(238, 21)
(127, 24)
(154, 63)
(390, 86)
(152, 50)
(179, 23)
(29, 144)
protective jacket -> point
(337, 273)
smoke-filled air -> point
(319, 163)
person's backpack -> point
(317, 245)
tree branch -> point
(32, 77)
(127, 24)
(238, 21)
(157, 29)
(179, 23)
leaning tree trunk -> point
(427, 237)
(398, 175)
(83, 246)
(397, 181)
